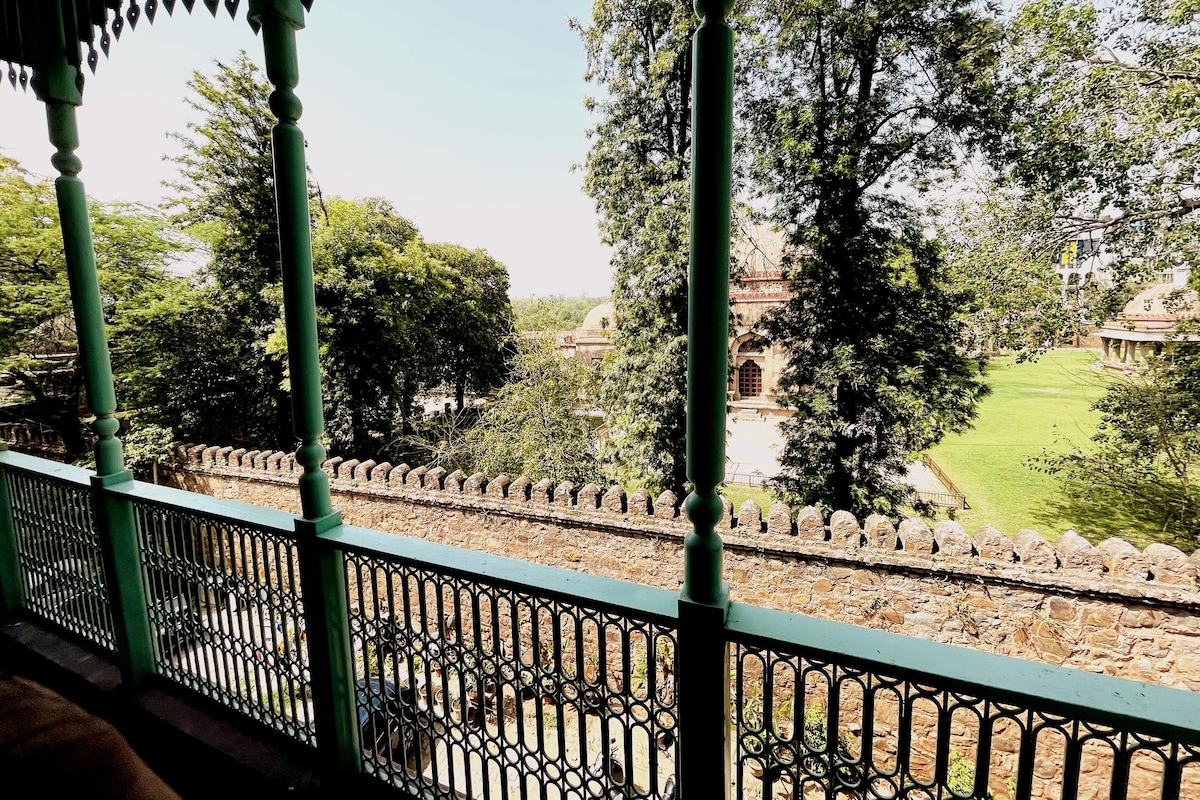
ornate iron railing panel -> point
(62, 571)
(473, 685)
(811, 723)
(225, 605)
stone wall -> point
(1110, 608)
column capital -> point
(291, 11)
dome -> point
(1163, 301)
(601, 317)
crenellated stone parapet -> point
(947, 547)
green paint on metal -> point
(708, 296)
(278, 20)
(12, 595)
(119, 549)
(703, 659)
(323, 576)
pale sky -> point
(466, 115)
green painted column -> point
(703, 657)
(57, 84)
(322, 568)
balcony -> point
(470, 675)
(245, 649)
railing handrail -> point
(42, 467)
(1120, 702)
(232, 511)
(604, 594)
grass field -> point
(1033, 407)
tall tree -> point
(474, 324)
(844, 103)
(38, 345)
(639, 56)
(1106, 129)
(535, 426)
(225, 195)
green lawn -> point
(1043, 405)
(1033, 407)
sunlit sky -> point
(466, 115)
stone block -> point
(499, 486)
(810, 525)
(542, 492)
(275, 461)
(879, 532)
(520, 490)
(209, 458)
(399, 476)
(844, 531)
(749, 518)
(614, 500)
(253, 460)
(379, 473)
(1169, 565)
(362, 472)
(415, 479)
(726, 513)
(639, 504)
(564, 494)
(664, 506)
(1123, 559)
(345, 470)
(455, 480)
(992, 545)
(1034, 552)
(1076, 552)
(589, 497)
(779, 520)
(952, 540)
(915, 536)
(195, 453)
(330, 465)
(435, 479)
(475, 484)
(235, 458)
(223, 457)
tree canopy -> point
(38, 345)
(843, 105)
(636, 171)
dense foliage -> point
(37, 327)
(845, 104)
(537, 425)
(553, 313)
(639, 55)
(397, 317)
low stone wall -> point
(1110, 608)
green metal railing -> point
(61, 572)
(479, 676)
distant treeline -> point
(554, 313)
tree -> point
(1146, 451)
(535, 426)
(38, 345)
(226, 197)
(553, 313)
(1105, 128)
(637, 171)
(844, 103)
(1001, 251)
(474, 323)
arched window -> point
(751, 345)
(750, 379)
